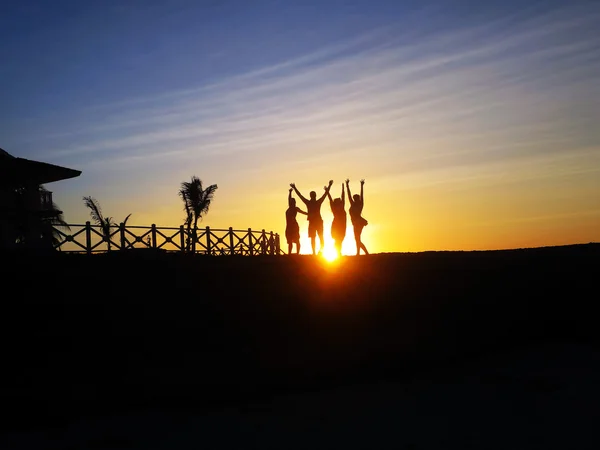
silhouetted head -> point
(313, 195)
(337, 202)
(292, 202)
(356, 197)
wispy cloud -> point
(505, 89)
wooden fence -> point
(90, 239)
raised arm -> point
(362, 191)
(343, 197)
(290, 198)
(329, 197)
(349, 193)
(326, 193)
(304, 199)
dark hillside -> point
(105, 333)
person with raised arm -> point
(292, 229)
(338, 226)
(313, 209)
(357, 203)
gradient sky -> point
(475, 124)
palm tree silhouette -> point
(105, 223)
(50, 225)
(196, 202)
(55, 223)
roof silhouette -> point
(16, 171)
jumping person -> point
(358, 222)
(315, 221)
(338, 226)
(292, 229)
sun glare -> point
(330, 254)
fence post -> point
(208, 249)
(122, 235)
(231, 246)
(277, 247)
(181, 239)
(263, 242)
(194, 239)
(250, 244)
(88, 237)
(153, 235)
(271, 244)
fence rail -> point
(90, 239)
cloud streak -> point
(505, 89)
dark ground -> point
(171, 338)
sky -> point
(474, 124)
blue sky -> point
(140, 95)
(66, 57)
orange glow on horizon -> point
(493, 151)
(502, 206)
(329, 254)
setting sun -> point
(330, 254)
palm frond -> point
(207, 197)
(183, 191)
(126, 218)
(95, 210)
(186, 206)
(193, 190)
(196, 199)
(188, 193)
(106, 225)
(58, 221)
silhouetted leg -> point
(359, 244)
(298, 247)
(321, 240)
(313, 245)
(338, 247)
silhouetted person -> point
(313, 208)
(292, 229)
(338, 226)
(358, 221)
